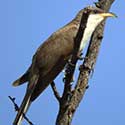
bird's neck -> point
(91, 25)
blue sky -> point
(24, 25)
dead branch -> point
(17, 109)
(71, 100)
(56, 93)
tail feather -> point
(24, 78)
(26, 101)
(23, 109)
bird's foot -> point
(80, 56)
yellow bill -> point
(108, 15)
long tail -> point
(23, 109)
(26, 101)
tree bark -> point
(71, 99)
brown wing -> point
(52, 56)
(43, 82)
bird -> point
(52, 56)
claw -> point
(80, 56)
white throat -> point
(92, 22)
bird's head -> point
(95, 15)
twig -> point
(53, 86)
(17, 109)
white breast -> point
(93, 21)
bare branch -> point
(53, 86)
(17, 109)
(67, 94)
(75, 56)
(68, 108)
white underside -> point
(25, 109)
(92, 23)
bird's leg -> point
(80, 56)
(69, 64)
(67, 70)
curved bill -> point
(108, 15)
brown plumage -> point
(48, 61)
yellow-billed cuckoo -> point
(51, 57)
